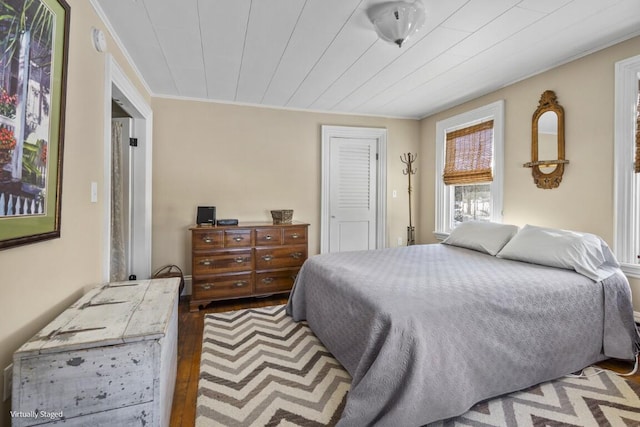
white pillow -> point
(584, 253)
(483, 236)
(609, 257)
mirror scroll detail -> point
(547, 142)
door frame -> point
(380, 135)
(117, 85)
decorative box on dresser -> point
(249, 259)
(108, 360)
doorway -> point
(353, 188)
(136, 203)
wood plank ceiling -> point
(324, 55)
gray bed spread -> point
(427, 331)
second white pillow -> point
(483, 236)
(581, 252)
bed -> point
(426, 331)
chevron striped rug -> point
(603, 399)
(259, 368)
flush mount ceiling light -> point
(396, 21)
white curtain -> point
(118, 257)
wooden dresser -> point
(245, 260)
(108, 360)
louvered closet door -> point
(352, 194)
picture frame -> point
(34, 46)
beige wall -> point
(247, 161)
(39, 281)
(584, 200)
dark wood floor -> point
(190, 326)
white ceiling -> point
(324, 55)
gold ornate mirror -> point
(547, 142)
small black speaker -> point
(206, 215)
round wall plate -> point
(99, 40)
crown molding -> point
(103, 17)
(275, 107)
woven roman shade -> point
(637, 163)
(469, 155)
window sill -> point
(440, 235)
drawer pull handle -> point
(241, 284)
(267, 257)
(296, 255)
(267, 237)
(238, 238)
(295, 236)
(206, 262)
(207, 239)
(239, 260)
(206, 286)
(267, 280)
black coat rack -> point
(408, 159)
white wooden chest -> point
(108, 360)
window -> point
(471, 202)
(469, 167)
(627, 165)
(469, 154)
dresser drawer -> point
(275, 281)
(244, 260)
(291, 256)
(230, 285)
(238, 238)
(295, 235)
(268, 236)
(207, 239)
(222, 262)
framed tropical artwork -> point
(34, 38)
